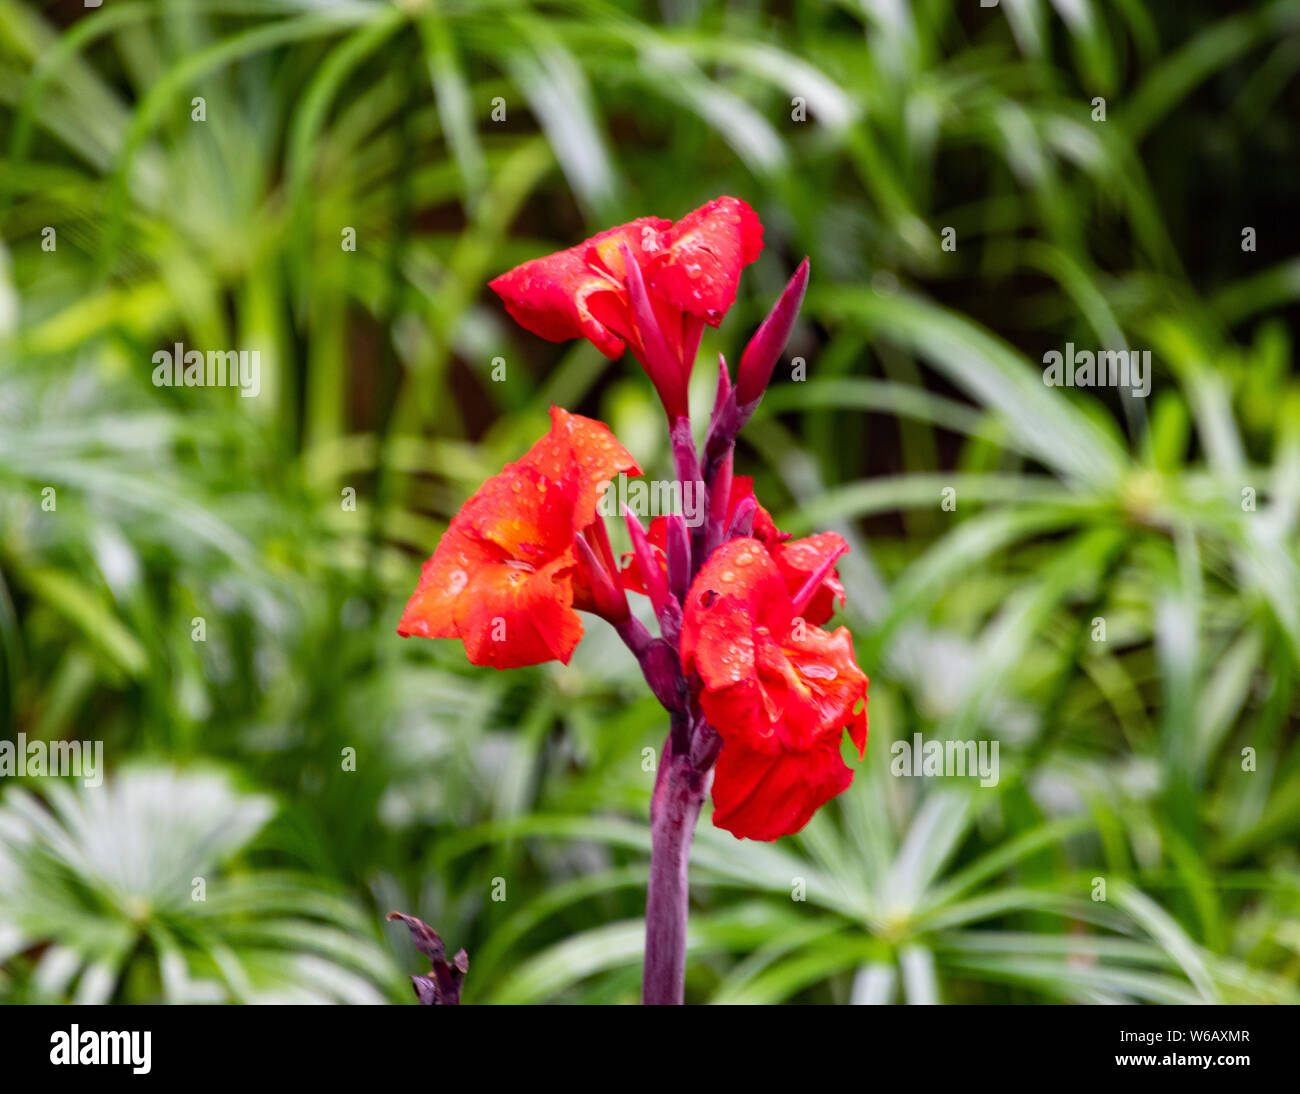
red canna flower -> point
(515, 562)
(686, 276)
(755, 690)
(779, 691)
(797, 559)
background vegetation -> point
(1121, 759)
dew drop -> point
(458, 580)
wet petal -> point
(699, 269)
(508, 617)
(799, 559)
(583, 452)
(779, 691)
(505, 578)
(579, 292)
(763, 795)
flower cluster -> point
(759, 693)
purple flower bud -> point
(652, 576)
(679, 555)
(660, 663)
(719, 503)
(705, 745)
(724, 386)
(442, 986)
(742, 520)
(765, 348)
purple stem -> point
(686, 460)
(674, 809)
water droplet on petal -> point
(458, 580)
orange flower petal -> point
(505, 577)
(582, 451)
(509, 617)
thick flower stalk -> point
(759, 695)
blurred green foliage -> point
(1121, 759)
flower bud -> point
(765, 348)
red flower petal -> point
(579, 292)
(699, 268)
(736, 591)
(501, 579)
(630, 573)
(779, 691)
(507, 616)
(764, 796)
(526, 515)
(431, 610)
(799, 559)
